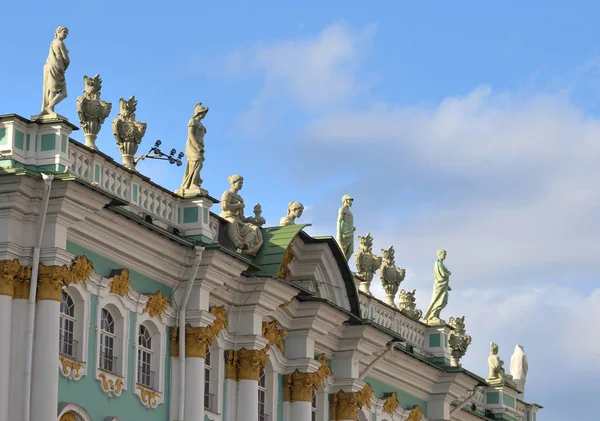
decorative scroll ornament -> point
(156, 305)
(345, 405)
(149, 398)
(274, 334)
(120, 283)
(68, 416)
(9, 270)
(22, 283)
(391, 403)
(284, 270)
(111, 386)
(416, 414)
(70, 369)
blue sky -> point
(472, 126)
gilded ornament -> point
(70, 369)
(156, 305)
(231, 364)
(365, 395)
(110, 386)
(344, 406)
(287, 388)
(22, 283)
(323, 371)
(52, 279)
(149, 397)
(391, 403)
(300, 386)
(120, 283)
(81, 268)
(416, 414)
(198, 339)
(174, 336)
(68, 416)
(9, 270)
(250, 363)
(274, 334)
(286, 303)
(284, 270)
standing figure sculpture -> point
(367, 262)
(294, 211)
(496, 375)
(441, 287)
(194, 152)
(243, 232)
(519, 367)
(55, 83)
(345, 227)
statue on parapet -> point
(497, 375)
(128, 131)
(441, 287)
(408, 306)
(458, 340)
(92, 110)
(242, 231)
(55, 83)
(345, 227)
(519, 367)
(194, 152)
(294, 211)
(390, 275)
(367, 262)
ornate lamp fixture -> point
(156, 153)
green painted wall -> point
(493, 398)
(19, 139)
(87, 391)
(406, 400)
(508, 400)
(48, 142)
(3, 136)
(435, 340)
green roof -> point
(276, 240)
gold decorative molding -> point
(68, 416)
(111, 386)
(231, 365)
(23, 283)
(391, 403)
(323, 372)
(345, 405)
(156, 305)
(287, 388)
(80, 270)
(299, 387)
(416, 414)
(286, 303)
(174, 336)
(251, 362)
(149, 398)
(284, 270)
(70, 369)
(51, 280)
(120, 283)
(198, 339)
(9, 270)
(274, 334)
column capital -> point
(198, 339)
(345, 405)
(9, 270)
(245, 364)
(299, 387)
(52, 279)
(22, 283)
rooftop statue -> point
(345, 227)
(408, 305)
(441, 286)
(128, 131)
(519, 367)
(458, 341)
(367, 263)
(55, 83)
(497, 375)
(243, 232)
(294, 211)
(194, 151)
(390, 275)
(92, 110)
(258, 218)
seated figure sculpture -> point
(496, 365)
(242, 231)
(294, 211)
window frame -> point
(67, 318)
(159, 337)
(82, 311)
(144, 364)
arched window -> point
(313, 406)
(207, 381)
(67, 342)
(262, 393)
(107, 342)
(145, 374)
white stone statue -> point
(345, 227)
(128, 131)
(408, 306)
(366, 261)
(390, 275)
(243, 232)
(519, 367)
(496, 375)
(294, 211)
(92, 110)
(258, 219)
(55, 83)
(441, 287)
(458, 340)
(194, 152)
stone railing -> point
(102, 172)
(383, 315)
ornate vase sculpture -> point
(345, 227)
(519, 367)
(367, 262)
(194, 152)
(441, 287)
(390, 275)
(408, 305)
(55, 83)
(458, 340)
(128, 131)
(294, 211)
(497, 375)
(92, 110)
(242, 231)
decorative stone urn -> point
(128, 131)
(390, 275)
(458, 340)
(92, 110)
